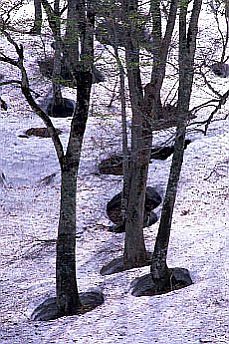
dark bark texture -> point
(161, 274)
(36, 30)
(67, 293)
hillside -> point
(29, 212)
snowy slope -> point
(29, 213)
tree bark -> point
(134, 250)
(160, 50)
(71, 39)
(38, 18)
(187, 44)
(125, 149)
(67, 293)
(144, 110)
(66, 286)
(68, 301)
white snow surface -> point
(29, 212)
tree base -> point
(144, 286)
(48, 309)
(118, 265)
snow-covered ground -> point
(29, 212)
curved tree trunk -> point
(159, 270)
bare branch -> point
(24, 83)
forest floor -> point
(29, 212)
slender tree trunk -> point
(66, 285)
(67, 295)
(187, 45)
(38, 18)
(57, 94)
(125, 150)
(160, 49)
(144, 110)
(71, 39)
(55, 23)
(134, 250)
(57, 99)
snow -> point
(29, 212)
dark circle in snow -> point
(220, 69)
(61, 111)
(152, 201)
(48, 309)
(144, 285)
(118, 265)
(66, 78)
(162, 153)
(114, 164)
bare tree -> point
(146, 107)
(162, 278)
(67, 301)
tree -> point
(36, 29)
(54, 18)
(162, 278)
(146, 108)
(68, 301)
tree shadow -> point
(145, 286)
(48, 309)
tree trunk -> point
(57, 100)
(159, 269)
(144, 109)
(134, 250)
(54, 23)
(161, 274)
(66, 285)
(71, 39)
(160, 50)
(125, 150)
(38, 18)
